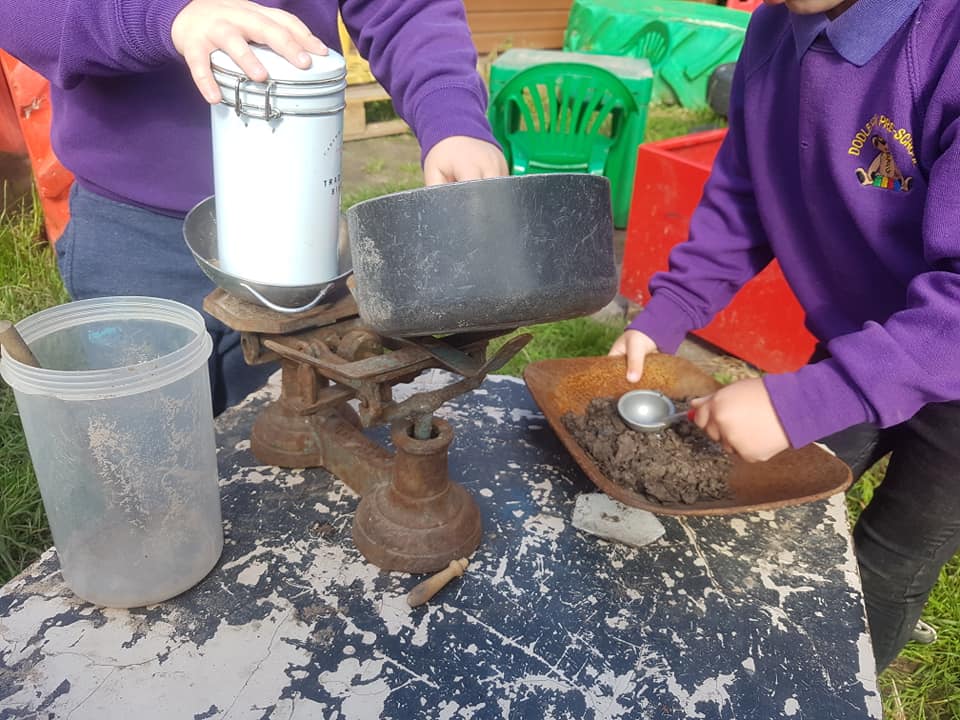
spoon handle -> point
(14, 346)
(677, 417)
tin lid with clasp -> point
(288, 90)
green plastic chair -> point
(570, 117)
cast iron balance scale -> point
(499, 253)
(412, 516)
(514, 251)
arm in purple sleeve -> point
(64, 40)
(885, 373)
(423, 53)
(727, 244)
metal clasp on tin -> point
(267, 112)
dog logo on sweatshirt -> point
(883, 171)
(879, 133)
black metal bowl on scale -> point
(483, 255)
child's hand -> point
(459, 157)
(741, 418)
(636, 346)
(229, 25)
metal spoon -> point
(650, 411)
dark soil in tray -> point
(678, 464)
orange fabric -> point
(29, 95)
(11, 140)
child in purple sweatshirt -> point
(842, 161)
(130, 87)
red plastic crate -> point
(764, 323)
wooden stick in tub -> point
(14, 346)
(434, 584)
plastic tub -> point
(119, 424)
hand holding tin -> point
(230, 25)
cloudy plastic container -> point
(119, 424)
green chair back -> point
(561, 117)
(570, 117)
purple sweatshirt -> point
(843, 161)
(130, 124)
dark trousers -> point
(110, 248)
(911, 527)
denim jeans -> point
(911, 527)
(110, 248)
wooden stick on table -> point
(434, 584)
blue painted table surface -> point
(748, 616)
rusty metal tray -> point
(793, 477)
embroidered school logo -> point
(883, 171)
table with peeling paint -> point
(755, 616)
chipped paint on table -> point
(750, 616)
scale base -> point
(420, 520)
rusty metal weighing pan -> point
(200, 233)
(483, 255)
(793, 477)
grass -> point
(667, 121)
(374, 166)
(379, 110)
(352, 197)
(580, 337)
(28, 282)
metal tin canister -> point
(277, 149)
